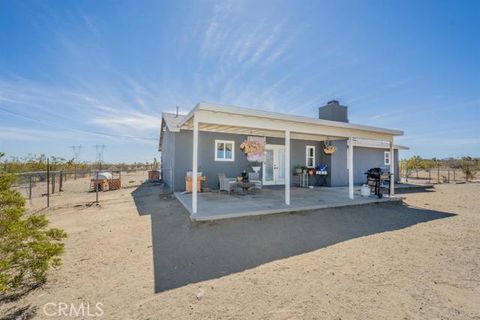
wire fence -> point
(42, 189)
(436, 175)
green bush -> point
(28, 248)
(469, 167)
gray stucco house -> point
(222, 129)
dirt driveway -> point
(140, 257)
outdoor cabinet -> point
(189, 180)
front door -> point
(274, 165)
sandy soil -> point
(139, 256)
(74, 191)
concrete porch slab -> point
(220, 205)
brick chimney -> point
(333, 111)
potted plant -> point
(298, 169)
(329, 150)
(154, 174)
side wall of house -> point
(338, 174)
(206, 157)
(177, 159)
(363, 159)
(211, 168)
(168, 158)
(366, 158)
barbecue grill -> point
(375, 179)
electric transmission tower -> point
(99, 149)
(76, 153)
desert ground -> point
(138, 254)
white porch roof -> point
(376, 144)
(229, 119)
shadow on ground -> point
(23, 313)
(185, 252)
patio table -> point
(245, 186)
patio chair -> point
(226, 184)
(254, 178)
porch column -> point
(392, 168)
(287, 167)
(195, 164)
(350, 167)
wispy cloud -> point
(217, 31)
(75, 111)
(21, 134)
(127, 122)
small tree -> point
(28, 248)
(155, 164)
(469, 168)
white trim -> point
(392, 169)
(350, 167)
(250, 124)
(307, 156)
(377, 144)
(275, 148)
(232, 142)
(282, 116)
(287, 167)
(385, 162)
(195, 165)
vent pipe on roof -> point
(176, 114)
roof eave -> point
(276, 115)
(188, 116)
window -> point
(386, 158)
(310, 157)
(224, 150)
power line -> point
(76, 130)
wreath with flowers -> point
(252, 147)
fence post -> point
(438, 175)
(60, 186)
(48, 183)
(448, 175)
(75, 172)
(53, 183)
(429, 175)
(96, 187)
(30, 188)
(454, 176)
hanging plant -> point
(328, 149)
(254, 148)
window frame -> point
(387, 156)
(225, 142)
(307, 157)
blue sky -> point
(101, 72)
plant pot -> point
(329, 150)
(153, 175)
(256, 169)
